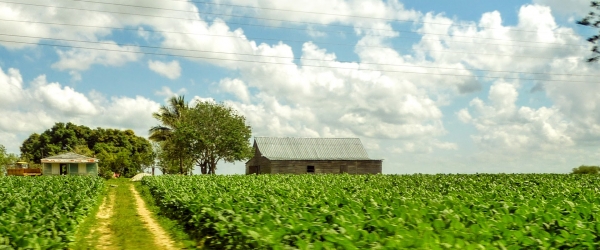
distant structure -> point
(274, 155)
(70, 164)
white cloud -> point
(167, 93)
(464, 116)
(421, 147)
(109, 54)
(36, 107)
(143, 33)
(75, 76)
(235, 87)
(572, 7)
(505, 127)
(10, 90)
(343, 12)
(170, 70)
(93, 29)
(61, 99)
(397, 113)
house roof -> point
(68, 158)
(287, 148)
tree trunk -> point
(203, 167)
(213, 166)
(180, 165)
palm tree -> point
(169, 116)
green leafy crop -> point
(43, 212)
(532, 211)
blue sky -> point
(429, 86)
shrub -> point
(586, 170)
(106, 174)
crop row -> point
(544, 211)
(43, 212)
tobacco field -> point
(43, 212)
(485, 211)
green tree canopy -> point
(586, 170)
(6, 159)
(120, 151)
(215, 132)
(173, 156)
(201, 134)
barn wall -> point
(259, 160)
(327, 167)
(369, 167)
(264, 163)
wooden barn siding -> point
(259, 160)
(321, 167)
(325, 167)
(264, 163)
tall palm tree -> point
(169, 116)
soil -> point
(104, 213)
(161, 238)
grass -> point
(83, 237)
(128, 231)
(125, 224)
(173, 228)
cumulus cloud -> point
(167, 93)
(342, 12)
(577, 7)
(420, 147)
(393, 99)
(170, 70)
(36, 106)
(235, 87)
(109, 54)
(61, 99)
(506, 127)
(337, 100)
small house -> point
(273, 155)
(70, 164)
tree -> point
(119, 151)
(214, 132)
(586, 170)
(6, 159)
(173, 148)
(59, 139)
(593, 20)
(202, 134)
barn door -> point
(254, 169)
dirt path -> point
(105, 211)
(123, 221)
(161, 238)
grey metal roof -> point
(69, 157)
(287, 148)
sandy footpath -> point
(161, 238)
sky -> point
(429, 86)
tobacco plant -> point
(528, 211)
(43, 212)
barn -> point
(70, 164)
(276, 155)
